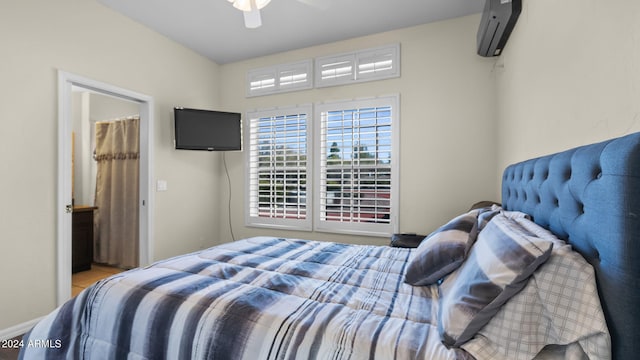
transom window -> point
(280, 78)
(337, 69)
(363, 65)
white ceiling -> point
(215, 29)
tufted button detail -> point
(596, 171)
(567, 174)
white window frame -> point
(280, 78)
(252, 179)
(354, 67)
(320, 156)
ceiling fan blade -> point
(252, 19)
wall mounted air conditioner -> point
(498, 19)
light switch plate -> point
(161, 185)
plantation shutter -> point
(357, 162)
(378, 63)
(280, 78)
(359, 66)
(278, 169)
(335, 70)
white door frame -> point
(65, 82)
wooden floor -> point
(79, 281)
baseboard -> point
(17, 330)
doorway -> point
(67, 83)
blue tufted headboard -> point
(590, 196)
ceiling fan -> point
(251, 11)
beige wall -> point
(82, 37)
(448, 132)
(569, 76)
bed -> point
(272, 298)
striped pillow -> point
(443, 250)
(498, 267)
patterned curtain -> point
(117, 192)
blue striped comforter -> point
(259, 298)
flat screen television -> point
(208, 130)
